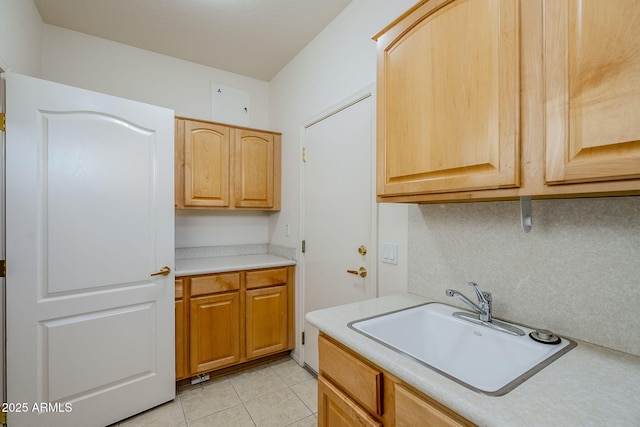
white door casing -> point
(89, 214)
(338, 211)
(2, 233)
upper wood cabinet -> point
(256, 161)
(497, 99)
(225, 167)
(592, 77)
(448, 98)
(206, 148)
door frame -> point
(372, 291)
(3, 300)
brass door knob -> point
(362, 272)
(164, 271)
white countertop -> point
(588, 386)
(220, 264)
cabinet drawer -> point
(179, 288)
(355, 377)
(262, 278)
(203, 285)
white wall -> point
(100, 65)
(196, 228)
(104, 66)
(338, 63)
(20, 37)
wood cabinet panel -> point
(263, 278)
(181, 332)
(578, 83)
(345, 377)
(206, 164)
(412, 411)
(215, 331)
(221, 322)
(257, 169)
(267, 326)
(202, 285)
(448, 93)
(592, 71)
(179, 289)
(336, 409)
(357, 378)
(218, 166)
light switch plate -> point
(390, 253)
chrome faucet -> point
(483, 308)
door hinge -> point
(304, 245)
(3, 418)
(3, 269)
(304, 154)
(303, 338)
(3, 122)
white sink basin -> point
(483, 359)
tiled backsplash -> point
(576, 273)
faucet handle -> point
(481, 295)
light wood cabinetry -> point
(490, 100)
(447, 98)
(218, 166)
(266, 321)
(214, 331)
(256, 161)
(336, 409)
(412, 410)
(352, 391)
(182, 332)
(233, 317)
(206, 148)
(592, 78)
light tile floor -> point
(277, 394)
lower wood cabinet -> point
(266, 321)
(335, 408)
(225, 319)
(182, 332)
(214, 331)
(352, 391)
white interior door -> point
(89, 213)
(338, 213)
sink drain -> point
(545, 337)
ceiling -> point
(254, 38)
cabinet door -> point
(411, 411)
(257, 169)
(448, 99)
(215, 331)
(182, 332)
(206, 164)
(592, 77)
(266, 321)
(336, 409)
